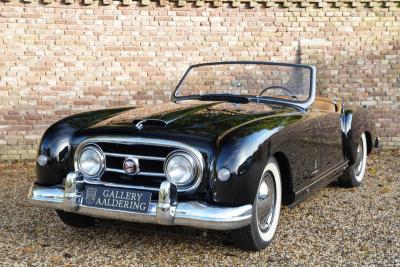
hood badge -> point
(153, 122)
(131, 166)
(139, 125)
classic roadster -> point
(237, 141)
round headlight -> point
(91, 161)
(180, 168)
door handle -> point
(314, 173)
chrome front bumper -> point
(166, 211)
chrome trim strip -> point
(109, 184)
(157, 174)
(133, 156)
(322, 176)
(166, 211)
(115, 170)
(152, 142)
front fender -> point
(244, 152)
(245, 161)
(58, 143)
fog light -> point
(224, 174)
(42, 160)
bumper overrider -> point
(166, 210)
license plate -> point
(116, 198)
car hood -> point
(206, 119)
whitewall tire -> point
(266, 210)
(354, 175)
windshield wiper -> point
(225, 97)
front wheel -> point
(266, 210)
(354, 175)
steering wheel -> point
(279, 87)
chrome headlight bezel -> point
(196, 172)
(102, 160)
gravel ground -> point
(336, 226)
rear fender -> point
(354, 122)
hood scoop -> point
(141, 124)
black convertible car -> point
(238, 140)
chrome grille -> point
(151, 154)
(151, 162)
(140, 157)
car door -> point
(301, 145)
(331, 151)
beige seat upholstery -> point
(327, 104)
(323, 103)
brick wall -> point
(58, 59)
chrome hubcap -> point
(265, 204)
(360, 158)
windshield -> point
(289, 82)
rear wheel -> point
(266, 211)
(75, 220)
(354, 175)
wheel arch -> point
(356, 121)
(288, 195)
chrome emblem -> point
(131, 166)
(90, 195)
(140, 125)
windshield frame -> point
(259, 99)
